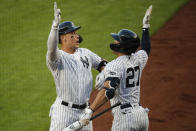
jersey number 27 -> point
(132, 73)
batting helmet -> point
(129, 41)
(67, 27)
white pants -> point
(62, 116)
(131, 119)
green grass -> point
(26, 86)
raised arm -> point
(145, 43)
(52, 53)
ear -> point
(62, 37)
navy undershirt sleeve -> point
(145, 43)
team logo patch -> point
(85, 61)
(112, 73)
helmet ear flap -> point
(115, 47)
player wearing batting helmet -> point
(71, 68)
(120, 79)
(129, 42)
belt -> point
(74, 105)
(128, 105)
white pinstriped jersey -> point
(128, 68)
(72, 74)
(73, 80)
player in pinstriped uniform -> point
(71, 68)
(120, 79)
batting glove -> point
(76, 125)
(87, 114)
(100, 79)
(146, 19)
(57, 16)
(84, 122)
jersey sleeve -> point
(53, 64)
(112, 69)
(142, 57)
(53, 53)
(95, 59)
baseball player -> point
(71, 68)
(120, 79)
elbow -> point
(51, 55)
(109, 92)
(148, 50)
(101, 65)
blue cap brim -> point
(74, 29)
(115, 36)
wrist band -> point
(56, 28)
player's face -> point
(72, 40)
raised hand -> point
(57, 15)
(146, 19)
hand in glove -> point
(57, 16)
(87, 114)
(77, 125)
(146, 19)
(84, 122)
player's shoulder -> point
(61, 52)
(83, 50)
(141, 58)
(114, 62)
(117, 63)
(119, 60)
(141, 52)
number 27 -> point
(131, 73)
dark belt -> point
(74, 105)
(127, 105)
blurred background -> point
(27, 87)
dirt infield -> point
(169, 79)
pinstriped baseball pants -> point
(63, 116)
(133, 119)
